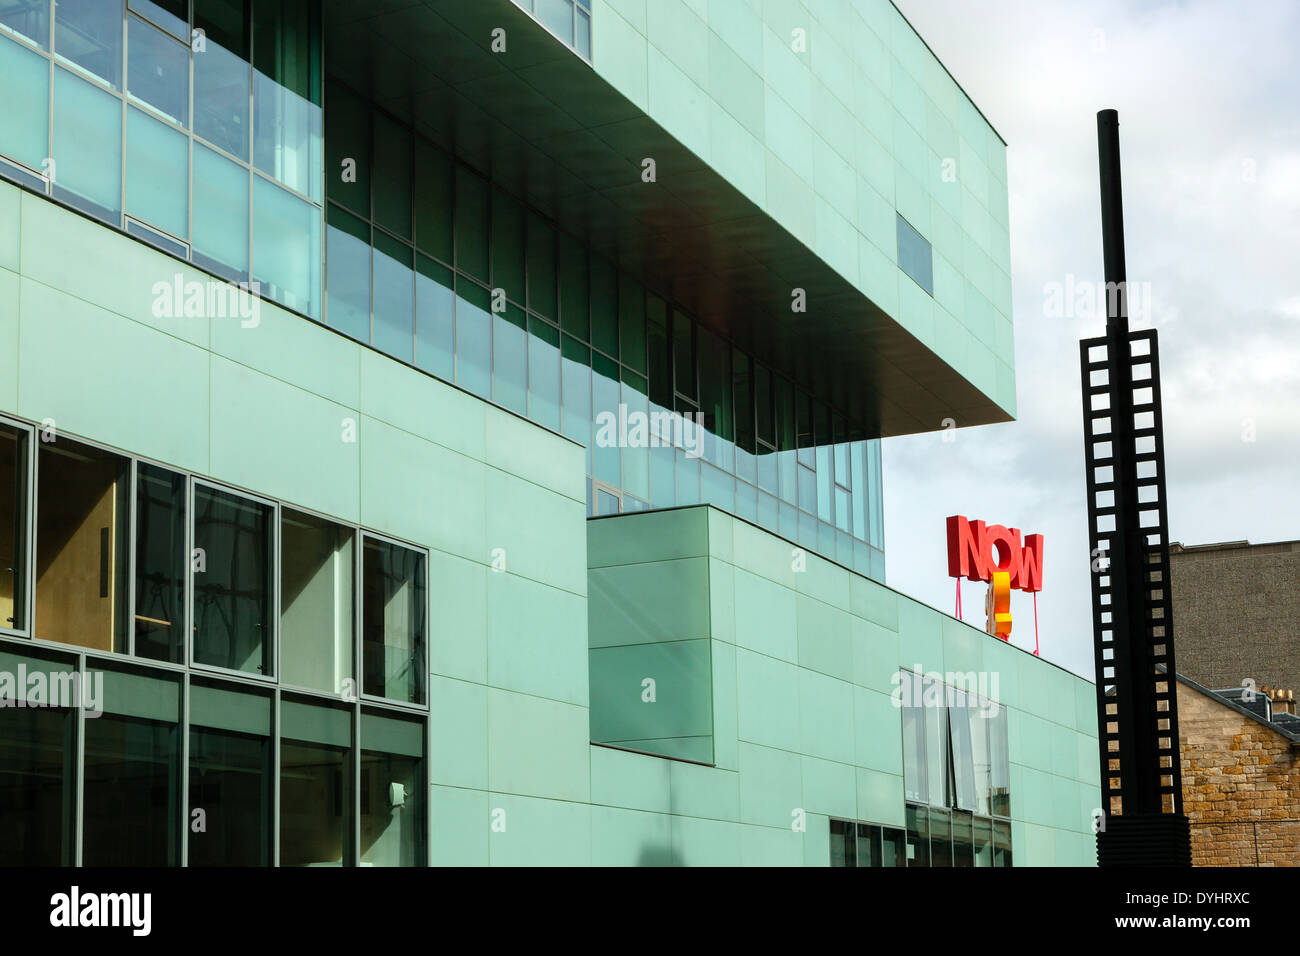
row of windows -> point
(570, 20)
(933, 838)
(432, 264)
(123, 556)
(955, 750)
(198, 130)
(145, 767)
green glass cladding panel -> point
(157, 173)
(392, 179)
(220, 213)
(87, 145)
(348, 281)
(286, 247)
(394, 298)
(471, 224)
(435, 318)
(25, 88)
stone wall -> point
(1241, 786)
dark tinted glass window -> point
(915, 256)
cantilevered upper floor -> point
(782, 220)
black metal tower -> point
(1133, 640)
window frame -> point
(28, 544)
(358, 641)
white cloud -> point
(1211, 152)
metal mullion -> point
(275, 778)
(185, 770)
(79, 824)
(356, 785)
(49, 120)
(132, 520)
(252, 78)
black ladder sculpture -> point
(1142, 822)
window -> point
(317, 603)
(132, 798)
(435, 318)
(866, 844)
(392, 791)
(221, 75)
(87, 146)
(220, 214)
(25, 84)
(915, 256)
(82, 536)
(230, 776)
(287, 125)
(157, 173)
(393, 621)
(393, 331)
(88, 33)
(158, 71)
(161, 563)
(316, 785)
(29, 20)
(233, 611)
(37, 759)
(14, 444)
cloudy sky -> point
(1209, 104)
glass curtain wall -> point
(436, 266)
(104, 727)
(153, 131)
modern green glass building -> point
(449, 433)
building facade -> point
(1241, 780)
(1260, 642)
(387, 395)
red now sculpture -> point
(971, 547)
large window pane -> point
(715, 394)
(508, 246)
(1000, 761)
(348, 260)
(471, 224)
(576, 385)
(287, 140)
(960, 716)
(316, 788)
(286, 246)
(936, 743)
(392, 792)
(575, 315)
(37, 791)
(435, 318)
(433, 201)
(222, 75)
(963, 847)
(14, 445)
(160, 563)
(636, 454)
(605, 448)
(893, 847)
(158, 70)
(29, 18)
(914, 765)
(393, 621)
(983, 850)
(233, 612)
(394, 328)
(915, 256)
(25, 120)
(131, 799)
(541, 268)
(347, 150)
(558, 17)
(81, 545)
(87, 145)
(473, 338)
(220, 213)
(317, 605)
(543, 373)
(392, 158)
(510, 359)
(157, 173)
(843, 843)
(89, 34)
(1001, 843)
(631, 323)
(918, 836)
(940, 838)
(230, 777)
